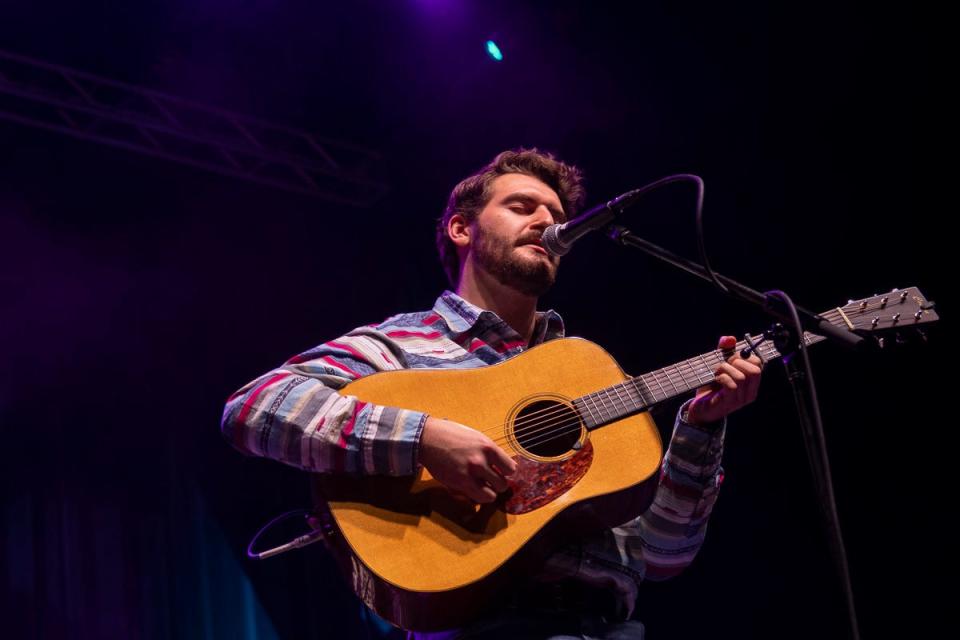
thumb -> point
(728, 342)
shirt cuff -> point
(696, 449)
(393, 442)
(708, 427)
(417, 435)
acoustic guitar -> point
(588, 455)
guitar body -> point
(426, 559)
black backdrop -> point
(137, 294)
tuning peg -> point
(881, 342)
(922, 334)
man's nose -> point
(544, 217)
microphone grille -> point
(552, 243)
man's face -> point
(506, 238)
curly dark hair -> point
(473, 193)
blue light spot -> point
(494, 51)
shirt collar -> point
(462, 316)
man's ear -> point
(459, 230)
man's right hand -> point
(464, 459)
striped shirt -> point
(294, 414)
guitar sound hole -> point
(546, 428)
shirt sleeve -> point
(663, 540)
(296, 415)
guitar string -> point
(534, 423)
(602, 405)
(684, 371)
(553, 418)
(553, 426)
(554, 431)
(680, 371)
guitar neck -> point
(645, 391)
(897, 310)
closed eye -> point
(524, 204)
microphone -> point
(558, 238)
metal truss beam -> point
(85, 106)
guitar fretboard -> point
(900, 309)
(645, 391)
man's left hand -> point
(736, 385)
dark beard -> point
(531, 278)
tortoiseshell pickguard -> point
(536, 483)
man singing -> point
(489, 243)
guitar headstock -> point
(899, 310)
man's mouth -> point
(536, 245)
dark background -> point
(139, 293)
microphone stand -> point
(787, 335)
